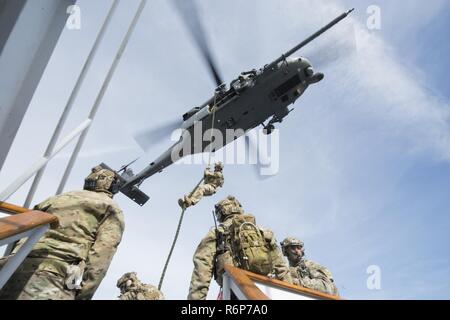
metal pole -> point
(226, 290)
(13, 187)
(100, 95)
(29, 33)
(74, 94)
(13, 262)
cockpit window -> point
(288, 85)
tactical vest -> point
(314, 276)
(243, 244)
(80, 213)
(142, 292)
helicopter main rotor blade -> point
(333, 49)
(150, 137)
(189, 13)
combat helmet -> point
(127, 281)
(218, 166)
(101, 180)
(227, 207)
(288, 242)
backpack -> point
(249, 248)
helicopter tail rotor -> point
(131, 191)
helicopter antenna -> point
(311, 38)
(123, 168)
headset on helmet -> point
(102, 179)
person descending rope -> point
(212, 180)
(207, 186)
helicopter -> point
(255, 98)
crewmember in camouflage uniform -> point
(307, 273)
(218, 249)
(131, 288)
(70, 262)
(211, 182)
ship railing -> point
(22, 223)
(239, 284)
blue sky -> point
(364, 172)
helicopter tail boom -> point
(135, 194)
(131, 191)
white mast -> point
(73, 95)
(101, 94)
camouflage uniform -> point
(208, 261)
(90, 229)
(131, 288)
(211, 182)
(307, 273)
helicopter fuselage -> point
(251, 100)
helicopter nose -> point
(317, 77)
(309, 71)
(305, 61)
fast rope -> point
(163, 274)
(212, 128)
(175, 239)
